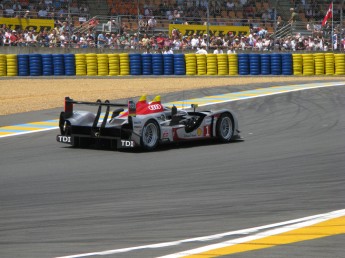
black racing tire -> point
(225, 128)
(150, 135)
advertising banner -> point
(28, 24)
(214, 30)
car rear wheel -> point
(224, 128)
(150, 135)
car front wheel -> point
(225, 128)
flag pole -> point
(332, 34)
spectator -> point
(195, 42)
(168, 50)
(293, 17)
(201, 50)
(218, 50)
(101, 40)
(152, 23)
(160, 41)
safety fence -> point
(171, 64)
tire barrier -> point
(179, 64)
(201, 64)
(243, 64)
(3, 65)
(23, 65)
(102, 65)
(233, 64)
(47, 65)
(287, 64)
(91, 64)
(297, 67)
(191, 65)
(339, 60)
(308, 64)
(329, 64)
(135, 64)
(265, 64)
(222, 64)
(80, 65)
(124, 64)
(211, 64)
(114, 64)
(12, 65)
(35, 64)
(146, 64)
(319, 61)
(254, 64)
(157, 64)
(168, 64)
(58, 64)
(69, 64)
(276, 64)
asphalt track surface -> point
(59, 201)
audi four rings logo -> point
(155, 107)
(66, 139)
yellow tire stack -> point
(80, 64)
(339, 60)
(190, 64)
(297, 66)
(329, 64)
(319, 59)
(233, 64)
(211, 60)
(12, 65)
(114, 64)
(3, 66)
(102, 64)
(201, 64)
(222, 64)
(124, 64)
(91, 64)
(308, 64)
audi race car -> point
(144, 124)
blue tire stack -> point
(135, 64)
(35, 63)
(265, 64)
(157, 64)
(59, 64)
(146, 64)
(276, 64)
(168, 64)
(287, 64)
(243, 64)
(254, 64)
(23, 65)
(69, 64)
(179, 64)
(47, 64)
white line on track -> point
(28, 132)
(272, 229)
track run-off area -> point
(280, 193)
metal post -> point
(208, 24)
(341, 26)
(138, 7)
(69, 23)
(275, 21)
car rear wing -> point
(70, 102)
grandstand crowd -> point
(67, 33)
